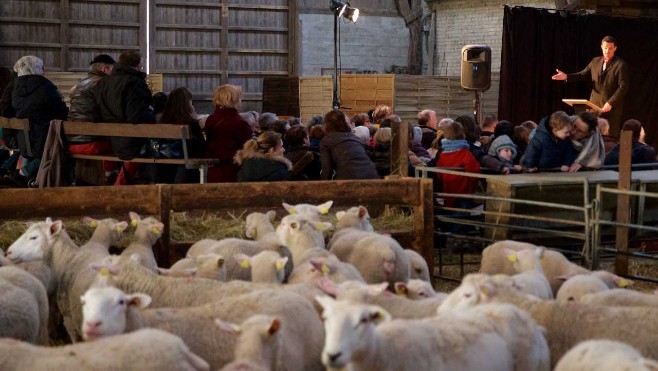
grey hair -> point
(363, 133)
(445, 122)
(27, 65)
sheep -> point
(147, 350)
(109, 311)
(23, 306)
(308, 211)
(70, 264)
(259, 225)
(363, 337)
(300, 234)
(329, 266)
(553, 263)
(243, 365)
(566, 324)
(147, 232)
(354, 217)
(605, 355)
(579, 285)
(259, 341)
(621, 298)
(416, 289)
(376, 294)
(266, 266)
(229, 247)
(529, 273)
(419, 268)
(208, 266)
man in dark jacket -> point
(124, 96)
(427, 122)
(641, 153)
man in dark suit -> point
(609, 76)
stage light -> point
(344, 10)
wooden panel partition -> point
(160, 200)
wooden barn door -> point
(201, 44)
(67, 34)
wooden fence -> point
(161, 200)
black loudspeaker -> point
(476, 68)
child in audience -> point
(504, 149)
(550, 147)
(455, 153)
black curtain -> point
(537, 41)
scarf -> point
(591, 150)
(452, 145)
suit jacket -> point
(609, 86)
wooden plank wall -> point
(360, 93)
(315, 96)
(281, 95)
(67, 34)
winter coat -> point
(546, 151)
(499, 143)
(381, 156)
(641, 153)
(429, 135)
(37, 99)
(124, 97)
(457, 183)
(262, 167)
(309, 171)
(343, 153)
(226, 133)
(83, 105)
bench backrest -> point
(104, 129)
(18, 124)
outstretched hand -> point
(559, 75)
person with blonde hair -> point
(226, 133)
(261, 159)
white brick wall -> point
(373, 43)
(464, 22)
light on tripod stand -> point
(344, 10)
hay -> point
(185, 228)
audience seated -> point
(550, 147)
(361, 119)
(261, 159)
(640, 153)
(315, 135)
(381, 154)
(380, 113)
(608, 140)
(266, 120)
(428, 125)
(301, 155)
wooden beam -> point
(424, 224)
(223, 43)
(623, 203)
(64, 34)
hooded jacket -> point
(546, 151)
(502, 142)
(37, 99)
(262, 167)
(343, 153)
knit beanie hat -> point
(500, 143)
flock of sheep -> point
(285, 300)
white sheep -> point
(243, 365)
(566, 324)
(208, 266)
(621, 297)
(376, 294)
(355, 217)
(70, 264)
(579, 285)
(363, 337)
(266, 266)
(328, 266)
(23, 306)
(419, 268)
(416, 289)
(529, 272)
(147, 232)
(146, 350)
(300, 234)
(259, 225)
(109, 311)
(605, 355)
(553, 263)
(308, 211)
(259, 341)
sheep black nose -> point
(334, 357)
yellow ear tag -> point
(156, 231)
(244, 263)
(319, 226)
(324, 210)
(93, 224)
(292, 210)
(623, 283)
(279, 266)
(541, 256)
(104, 272)
(484, 290)
(119, 229)
(512, 258)
(325, 269)
(134, 223)
(402, 291)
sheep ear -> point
(511, 255)
(120, 226)
(134, 218)
(157, 229)
(362, 212)
(377, 315)
(163, 271)
(322, 266)
(540, 252)
(328, 286)
(243, 260)
(49, 220)
(138, 300)
(486, 291)
(229, 327)
(340, 215)
(90, 222)
(271, 215)
(289, 208)
(564, 277)
(401, 288)
(275, 326)
(324, 208)
(280, 263)
(325, 301)
(376, 289)
(323, 226)
(56, 227)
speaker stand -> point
(477, 111)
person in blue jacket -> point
(550, 146)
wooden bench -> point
(153, 131)
(18, 124)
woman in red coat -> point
(226, 132)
